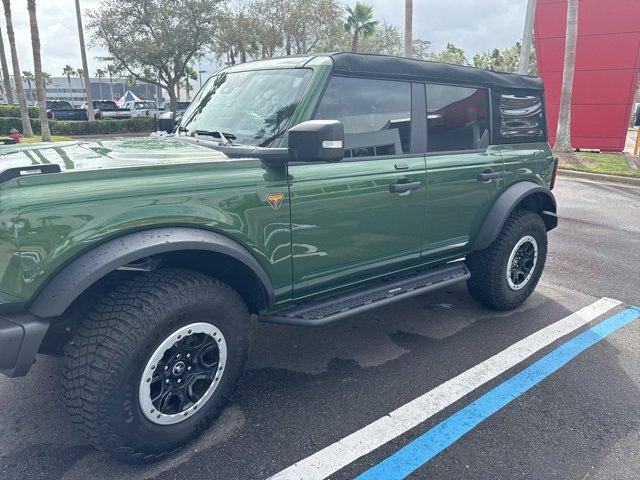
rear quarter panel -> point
(527, 162)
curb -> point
(599, 177)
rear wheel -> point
(505, 273)
(154, 363)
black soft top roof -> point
(410, 69)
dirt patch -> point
(569, 158)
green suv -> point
(302, 190)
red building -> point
(607, 68)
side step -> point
(328, 310)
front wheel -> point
(505, 273)
(154, 363)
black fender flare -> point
(513, 196)
(60, 291)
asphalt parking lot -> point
(315, 403)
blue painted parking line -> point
(424, 448)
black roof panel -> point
(410, 69)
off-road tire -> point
(105, 360)
(488, 283)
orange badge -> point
(275, 200)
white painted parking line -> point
(329, 460)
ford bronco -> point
(302, 190)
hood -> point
(112, 153)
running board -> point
(328, 310)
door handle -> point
(489, 175)
(401, 187)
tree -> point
(360, 23)
(386, 40)
(27, 131)
(29, 77)
(191, 74)
(563, 137)
(41, 93)
(8, 93)
(422, 49)
(68, 71)
(527, 39)
(507, 60)
(451, 54)
(112, 70)
(100, 73)
(162, 35)
(85, 68)
(408, 28)
(237, 35)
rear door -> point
(464, 173)
(364, 216)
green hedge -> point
(14, 111)
(99, 127)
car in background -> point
(142, 108)
(108, 109)
(63, 110)
(181, 107)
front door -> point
(464, 172)
(364, 216)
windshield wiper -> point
(225, 137)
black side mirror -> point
(317, 141)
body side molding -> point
(507, 202)
(91, 266)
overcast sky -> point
(475, 25)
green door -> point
(464, 172)
(364, 216)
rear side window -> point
(457, 118)
(521, 117)
(376, 115)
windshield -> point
(253, 108)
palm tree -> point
(112, 70)
(24, 112)
(563, 136)
(527, 39)
(100, 73)
(85, 69)
(28, 76)
(360, 23)
(41, 93)
(8, 94)
(408, 28)
(68, 71)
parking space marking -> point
(418, 452)
(330, 459)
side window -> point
(457, 118)
(521, 117)
(376, 115)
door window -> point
(376, 115)
(457, 118)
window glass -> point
(457, 118)
(250, 108)
(521, 117)
(376, 115)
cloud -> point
(475, 25)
